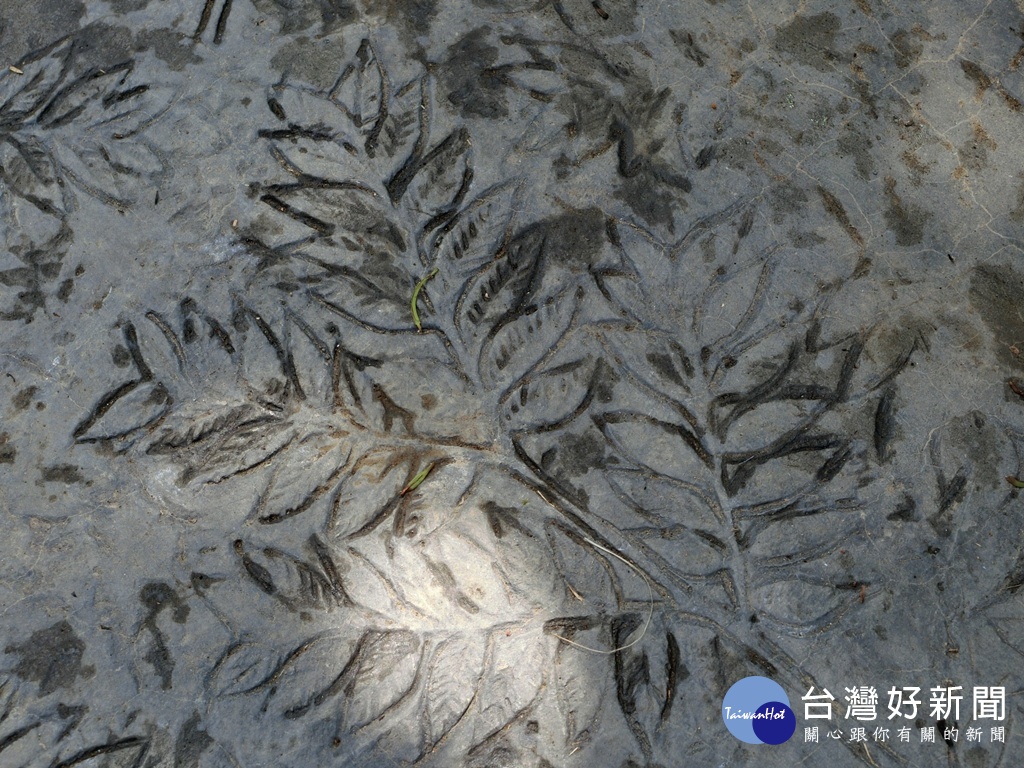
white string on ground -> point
(650, 606)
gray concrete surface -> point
(719, 337)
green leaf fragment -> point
(416, 481)
(415, 298)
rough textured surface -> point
(729, 291)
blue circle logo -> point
(756, 711)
